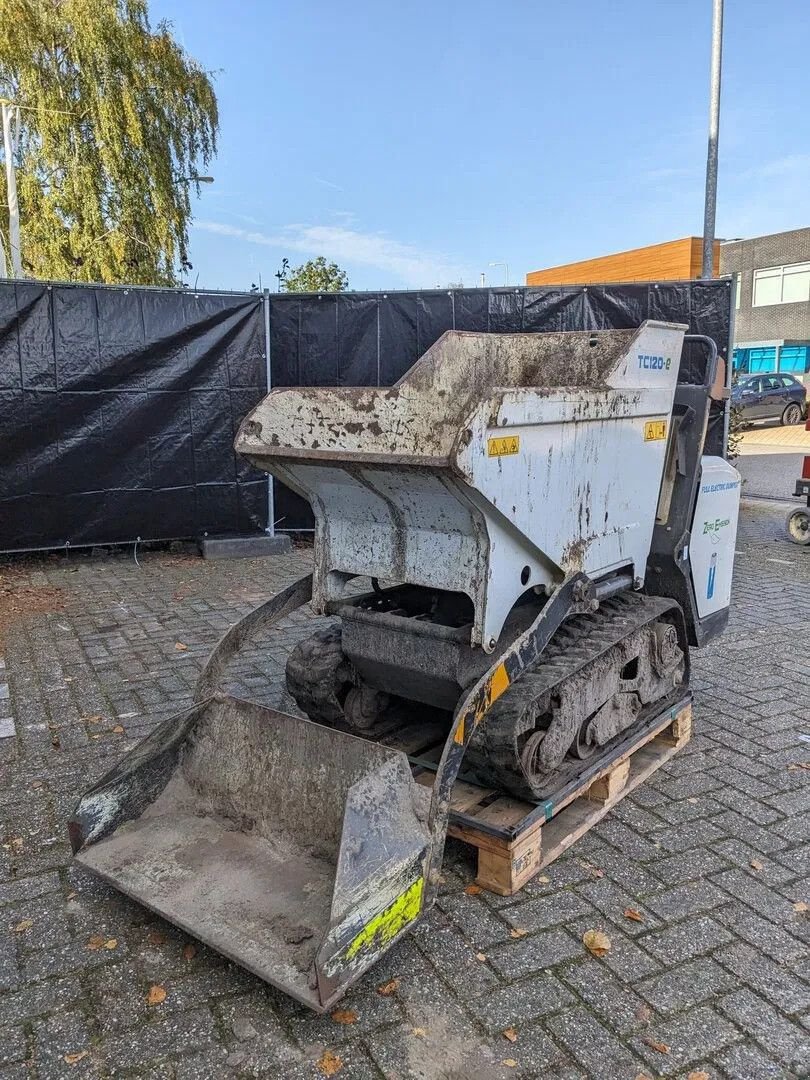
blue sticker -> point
(712, 573)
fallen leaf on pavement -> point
(641, 1076)
(595, 870)
(328, 1063)
(800, 906)
(510, 1063)
(92, 719)
(518, 932)
(756, 864)
(22, 926)
(388, 988)
(71, 896)
(480, 956)
(798, 765)
(643, 1013)
(110, 943)
(596, 942)
(419, 1032)
(16, 844)
(543, 879)
(156, 995)
(662, 1048)
(72, 1059)
(473, 890)
(632, 914)
(118, 729)
(95, 942)
(700, 1075)
(344, 1016)
(180, 646)
(156, 937)
(189, 951)
(510, 1034)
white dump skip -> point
(498, 463)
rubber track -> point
(492, 753)
(315, 672)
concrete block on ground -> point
(244, 547)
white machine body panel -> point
(498, 463)
(714, 535)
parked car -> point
(770, 396)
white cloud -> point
(408, 264)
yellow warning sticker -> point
(655, 429)
(504, 444)
(383, 928)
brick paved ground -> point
(714, 852)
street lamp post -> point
(505, 265)
(710, 208)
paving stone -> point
(617, 1004)
(13, 1043)
(685, 940)
(520, 1003)
(783, 1040)
(762, 898)
(766, 976)
(40, 999)
(773, 940)
(435, 1042)
(745, 1061)
(686, 985)
(612, 902)
(694, 834)
(534, 953)
(689, 1036)
(559, 907)
(689, 899)
(61, 1035)
(601, 1054)
(477, 922)
(170, 1037)
(688, 866)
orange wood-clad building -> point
(675, 260)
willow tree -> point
(116, 120)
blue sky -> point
(415, 143)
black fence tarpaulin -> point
(118, 410)
(371, 339)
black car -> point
(770, 396)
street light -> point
(505, 266)
(710, 207)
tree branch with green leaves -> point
(116, 120)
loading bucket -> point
(295, 850)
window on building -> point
(737, 289)
(794, 358)
(782, 285)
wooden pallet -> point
(516, 839)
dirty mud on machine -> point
(532, 635)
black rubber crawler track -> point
(318, 676)
(494, 751)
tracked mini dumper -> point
(545, 540)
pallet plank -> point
(514, 839)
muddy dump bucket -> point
(295, 850)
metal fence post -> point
(271, 509)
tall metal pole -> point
(710, 209)
(11, 112)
